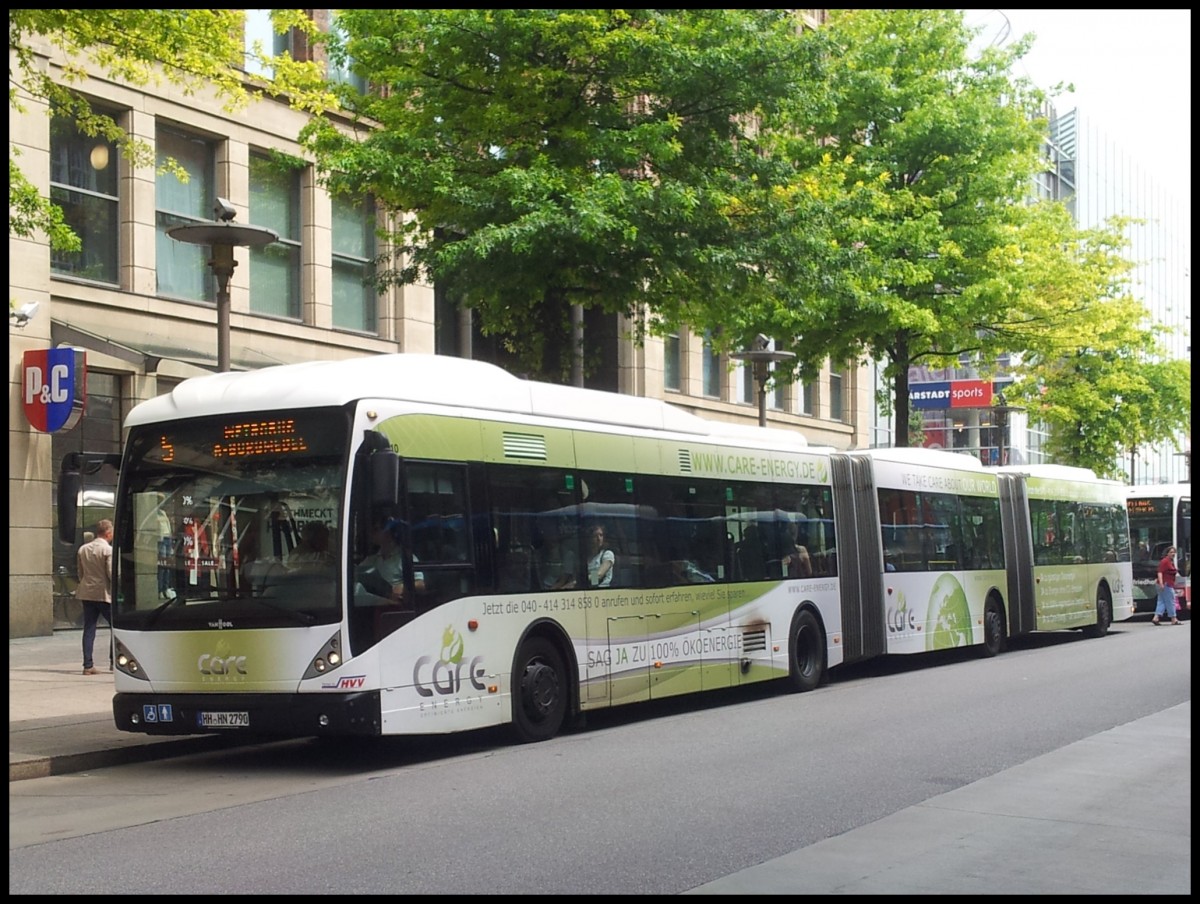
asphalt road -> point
(1061, 766)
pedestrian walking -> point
(95, 589)
(1166, 589)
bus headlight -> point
(124, 661)
(328, 657)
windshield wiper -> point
(172, 599)
(299, 615)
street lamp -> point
(223, 236)
(1001, 413)
(762, 356)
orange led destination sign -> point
(1147, 506)
(250, 438)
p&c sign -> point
(53, 388)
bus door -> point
(620, 672)
(1183, 534)
(1018, 553)
(438, 509)
(694, 556)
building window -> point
(808, 401)
(340, 62)
(837, 402)
(446, 321)
(275, 268)
(83, 182)
(261, 41)
(749, 387)
(354, 297)
(672, 363)
(778, 398)
(182, 268)
(711, 368)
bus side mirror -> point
(385, 478)
(69, 485)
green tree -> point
(1100, 405)
(958, 264)
(952, 141)
(197, 50)
(1092, 366)
(621, 160)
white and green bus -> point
(250, 509)
(1160, 516)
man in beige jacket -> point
(95, 589)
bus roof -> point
(1058, 472)
(430, 379)
(921, 455)
(1173, 490)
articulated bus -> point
(249, 506)
(1160, 517)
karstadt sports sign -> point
(944, 394)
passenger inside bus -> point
(382, 572)
(603, 560)
(796, 561)
(557, 562)
(685, 571)
(751, 555)
(312, 552)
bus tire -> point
(540, 692)
(993, 629)
(806, 652)
(1103, 615)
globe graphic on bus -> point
(949, 615)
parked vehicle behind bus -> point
(1160, 516)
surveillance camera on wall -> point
(22, 315)
(224, 210)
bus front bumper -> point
(273, 715)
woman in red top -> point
(1166, 588)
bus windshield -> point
(232, 522)
(1159, 518)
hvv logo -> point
(346, 683)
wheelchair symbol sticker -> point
(158, 712)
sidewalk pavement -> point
(61, 721)
(1110, 814)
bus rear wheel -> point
(540, 692)
(993, 629)
(1103, 616)
(806, 656)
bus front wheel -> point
(540, 692)
(806, 656)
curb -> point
(28, 767)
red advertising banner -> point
(970, 394)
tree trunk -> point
(900, 403)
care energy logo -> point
(901, 619)
(445, 675)
(223, 665)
